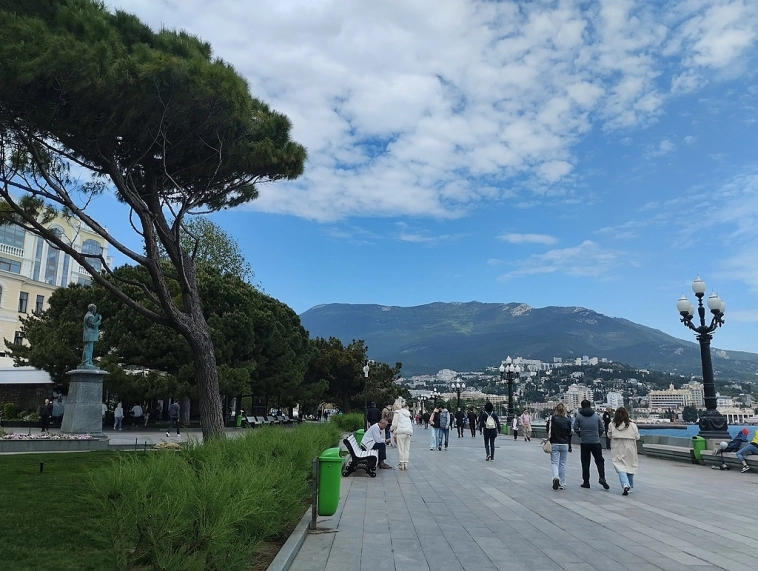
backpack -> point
(490, 422)
(445, 419)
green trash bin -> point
(238, 420)
(359, 435)
(698, 445)
(329, 477)
(503, 428)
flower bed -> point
(44, 436)
(50, 442)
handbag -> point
(546, 446)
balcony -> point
(13, 251)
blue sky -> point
(599, 154)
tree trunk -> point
(206, 377)
(186, 410)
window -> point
(92, 247)
(10, 265)
(12, 235)
(23, 300)
(18, 337)
(53, 259)
(39, 304)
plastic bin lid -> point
(331, 454)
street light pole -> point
(509, 372)
(435, 394)
(712, 423)
(458, 386)
(365, 396)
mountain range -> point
(471, 336)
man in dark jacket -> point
(472, 422)
(373, 415)
(460, 421)
(607, 417)
(589, 427)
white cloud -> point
(664, 148)
(406, 106)
(586, 259)
(689, 139)
(529, 239)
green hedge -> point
(347, 422)
(210, 506)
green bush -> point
(348, 422)
(10, 410)
(211, 505)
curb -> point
(288, 552)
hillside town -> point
(539, 386)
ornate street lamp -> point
(422, 403)
(458, 386)
(365, 396)
(435, 394)
(712, 423)
(509, 372)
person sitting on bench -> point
(751, 448)
(374, 440)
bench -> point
(713, 459)
(360, 459)
(252, 422)
(669, 452)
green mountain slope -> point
(473, 335)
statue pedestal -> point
(84, 404)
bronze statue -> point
(91, 334)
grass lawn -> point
(43, 522)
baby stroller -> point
(731, 446)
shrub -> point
(208, 506)
(348, 422)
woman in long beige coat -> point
(624, 436)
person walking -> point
(45, 412)
(173, 416)
(607, 417)
(624, 437)
(434, 422)
(514, 426)
(460, 421)
(118, 417)
(559, 429)
(589, 426)
(526, 425)
(136, 411)
(443, 431)
(387, 414)
(402, 428)
(425, 419)
(490, 427)
(472, 422)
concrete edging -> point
(288, 552)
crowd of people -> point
(611, 430)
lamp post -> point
(365, 396)
(435, 394)
(458, 386)
(712, 423)
(509, 372)
(422, 403)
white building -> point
(574, 396)
(671, 398)
(614, 400)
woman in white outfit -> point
(402, 428)
(624, 436)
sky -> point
(599, 154)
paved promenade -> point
(453, 511)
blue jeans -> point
(442, 434)
(558, 457)
(746, 450)
(489, 441)
(117, 422)
(433, 437)
(626, 479)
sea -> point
(693, 430)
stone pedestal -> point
(84, 404)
